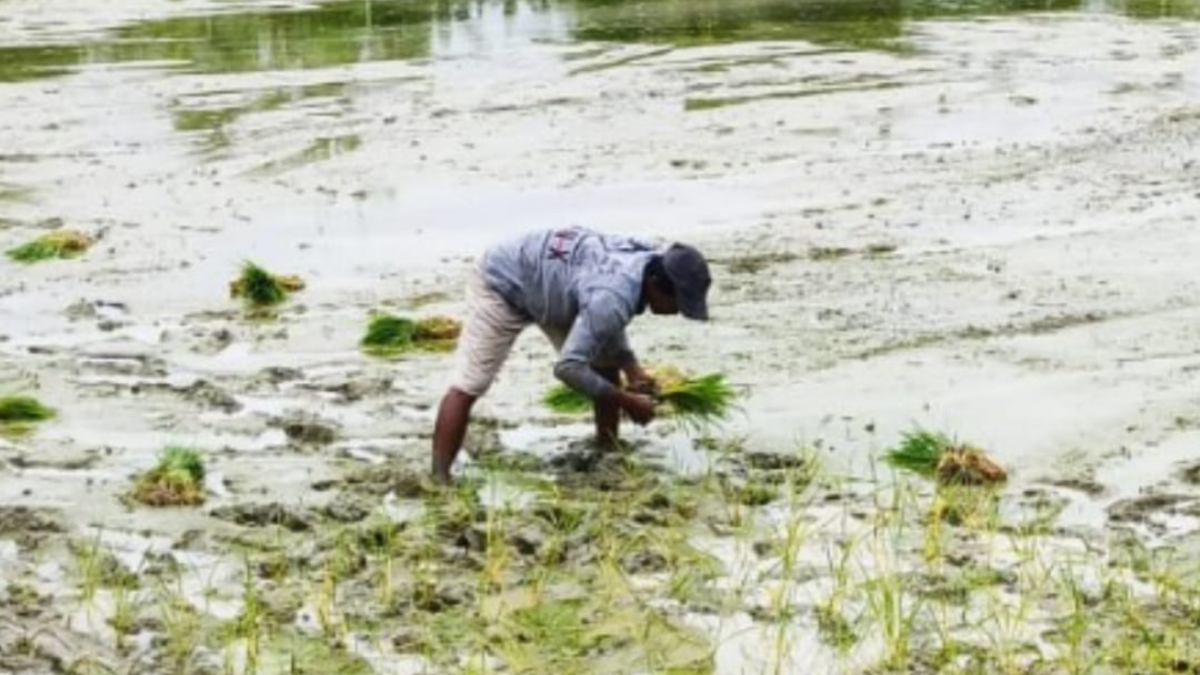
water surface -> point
(352, 31)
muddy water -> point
(973, 216)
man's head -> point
(677, 282)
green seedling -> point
(697, 403)
(934, 455)
(177, 480)
(18, 413)
(391, 336)
(261, 289)
(55, 245)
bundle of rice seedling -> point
(177, 480)
(699, 401)
(23, 410)
(57, 244)
(691, 401)
(933, 455)
(260, 288)
(919, 452)
(437, 329)
(969, 466)
(565, 400)
(290, 283)
(391, 336)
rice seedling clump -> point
(702, 401)
(17, 413)
(177, 480)
(565, 400)
(696, 402)
(18, 409)
(260, 288)
(55, 245)
(391, 336)
(934, 455)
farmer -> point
(581, 288)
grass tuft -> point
(177, 480)
(260, 288)
(55, 245)
(391, 336)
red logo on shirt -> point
(560, 244)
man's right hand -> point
(639, 407)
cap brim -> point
(694, 308)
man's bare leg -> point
(608, 414)
(454, 414)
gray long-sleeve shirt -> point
(576, 282)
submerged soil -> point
(973, 218)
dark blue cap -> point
(688, 272)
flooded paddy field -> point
(976, 217)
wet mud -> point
(975, 217)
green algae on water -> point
(177, 480)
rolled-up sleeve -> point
(598, 332)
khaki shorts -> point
(489, 332)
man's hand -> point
(640, 382)
(639, 407)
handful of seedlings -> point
(57, 244)
(694, 402)
(933, 455)
(262, 289)
(17, 413)
(177, 480)
(391, 336)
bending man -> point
(581, 288)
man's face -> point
(661, 302)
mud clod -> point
(771, 461)
(210, 395)
(263, 515)
(347, 509)
(276, 375)
(356, 389)
(1087, 486)
(528, 541)
(644, 562)
(405, 483)
(472, 539)
(1140, 509)
(1191, 475)
(305, 429)
(29, 525)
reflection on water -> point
(344, 32)
(214, 121)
